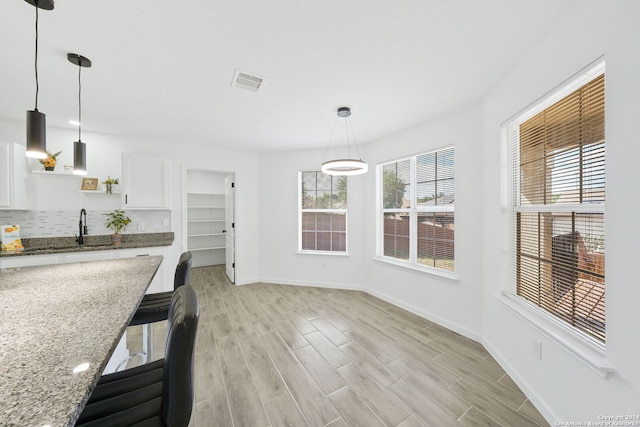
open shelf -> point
(205, 224)
(98, 192)
(207, 249)
(54, 172)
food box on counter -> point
(10, 235)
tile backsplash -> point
(65, 223)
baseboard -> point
(313, 284)
(245, 281)
(537, 401)
(425, 315)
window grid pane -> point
(436, 240)
(396, 235)
(396, 185)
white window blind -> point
(417, 210)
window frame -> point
(301, 210)
(588, 348)
(411, 263)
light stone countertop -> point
(54, 318)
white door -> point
(229, 226)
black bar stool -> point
(159, 393)
(155, 308)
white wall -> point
(562, 386)
(450, 303)
(104, 159)
(279, 260)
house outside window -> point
(416, 211)
(557, 205)
(322, 219)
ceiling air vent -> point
(246, 81)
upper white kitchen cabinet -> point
(14, 185)
(145, 182)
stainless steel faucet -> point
(82, 227)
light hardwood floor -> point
(275, 355)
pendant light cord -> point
(335, 124)
(346, 129)
(79, 100)
(347, 126)
(354, 139)
(36, 60)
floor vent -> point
(247, 81)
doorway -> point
(210, 218)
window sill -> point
(322, 253)
(588, 351)
(442, 274)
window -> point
(557, 206)
(417, 210)
(323, 212)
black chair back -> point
(183, 271)
(178, 358)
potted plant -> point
(117, 221)
(50, 161)
(109, 183)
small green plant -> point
(109, 183)
(117, 221)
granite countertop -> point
(55, 318)
(54, 245)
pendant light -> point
(79, 147)
(36, 121)
(347, 166)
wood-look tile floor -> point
(275, 355)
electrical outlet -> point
(141, 226)
(165, 222)
(536, 348)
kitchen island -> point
(59, 325)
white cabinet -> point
(145, 182)
(14, 185)
(28, 261)
(205, 228)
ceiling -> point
(163, 69)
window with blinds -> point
(322, 214)
(558, 182)
(417, 210)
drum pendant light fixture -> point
(79, 147)
(347, 166)
(37, 121)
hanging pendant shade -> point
(79, 147)
(36, 135)
(79, 158)
(37, 121)
(345, 167)
(348, 166)
(41, 4)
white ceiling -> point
(162, 69)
